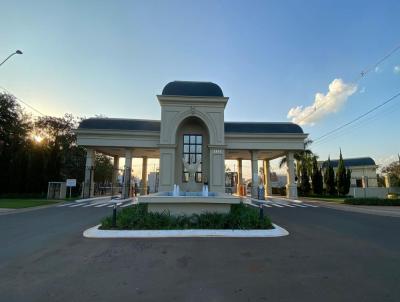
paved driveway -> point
(330, 255)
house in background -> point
(363, 170)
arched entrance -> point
(192, 140)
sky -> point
(276, 61)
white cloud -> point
(396, 69)
(324, 104)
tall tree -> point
(304, 180)
(329, 178)
(66, 159)
(103, 169)
(14, 128)
(348, 181)
(393, 171)
(317, 180)
(341, 182)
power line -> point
(358, 125)
(359, 117)
(26, 104)
(358, 78)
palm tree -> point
(303, 157)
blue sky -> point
(113, 57)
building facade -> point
(192, 131)
(363, 171)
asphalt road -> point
(330, 255)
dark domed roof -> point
(187, 88)
(351, 162)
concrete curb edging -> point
(94, 232)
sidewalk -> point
(391, 211)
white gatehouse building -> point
(192, 131)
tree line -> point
(34, 151)
(311, 178)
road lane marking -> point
(276, 205)
(101, 205)
(299, 205)
(127, 204)
(89, 205)
(77, 205)
(311, 205)
(119, 203)
(285, 205)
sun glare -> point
(37, 138)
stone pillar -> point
(240, 176)
(387, 181)
(88, 188)
(115, 184)
(217, 169)
(126, 187)
(143, 189)
(167, 168)
(267, 177)
(254, 174)
(291, 187)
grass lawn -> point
(16, 203)
(138, 218)
(373, 202)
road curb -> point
(94, 232)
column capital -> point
(128, 153)
(254, 154)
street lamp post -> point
(17, 52)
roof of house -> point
(352, 162)
(154, 125)
(190, 88)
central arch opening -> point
(192, 139)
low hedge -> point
(373, 201)
(138, 218)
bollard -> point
(261, 212)
(114, 217)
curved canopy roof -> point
(119, 124)
(152, 125)
(254, 127)
(188, 88)
(352, 162)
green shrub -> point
(138, 218)
(373, 201)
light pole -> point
(17, 52)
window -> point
(192, 153)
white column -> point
(216, 182)
(143, 189)
(254, 174)
(387, 181)
(240, 175)
(88, 189)
(127, 174)
(267, 177)
(291, 187)
(115, 183)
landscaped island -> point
(373, 201)
(241, 217)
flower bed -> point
(137, 217)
